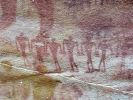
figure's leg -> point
(88, 63)
(71, 64)
(122, 62)
(58, 66)
(55, 60)
(82, 50)
(88, 66)
(96, 51)
(64, 52)
(72, 67)
(63, 47)
(92, 68)
(46, 49)
(76, 66)
(23, 53)
(117, 51)
(104, 60)
(36, 58)
(70, 57)
(100, 63)
(40, 57)
(29, 62)
(78, 51)
(25, 62)
(45, 9)
(111, 51)
(104, 66)
(40, 54)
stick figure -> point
(88, 49)
(70, 44)
(54, 46)
(22, 42)
(38, 46)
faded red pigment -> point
(70, 45)
(22, 42)
(88, 45)
(8, 13)
(54, 47)
(45, 10)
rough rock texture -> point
(7, 48)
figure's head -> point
(53, 39)
(37, 37)
(21, 34)
(41, 33)
(70, 38)
(46, 35)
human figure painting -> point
(66, 49)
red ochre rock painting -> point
(45, 10)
